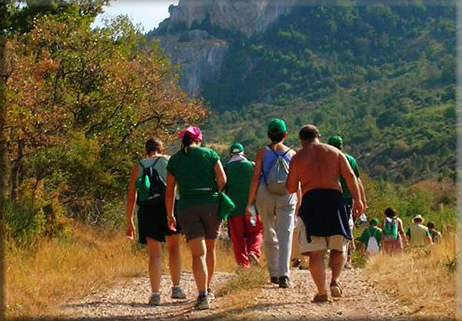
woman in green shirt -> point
(199, 175)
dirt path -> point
(361, 301)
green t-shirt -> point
(354, 166)
(371, 231)
(239, 174)
(195, 170)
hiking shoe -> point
(154, 300)
(210, 295)
(254, 260)
(284, 282)
(296, 263)
(202, 302)
(274, 280)
(335, 290)
(177, 293)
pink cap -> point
(194, 132)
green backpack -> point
(149, 186)
(390, 231)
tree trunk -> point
(16, 171)
(3, 19)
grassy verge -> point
(424, 280)
(56, 271)
(59, 270)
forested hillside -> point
(381, 76)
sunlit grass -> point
(57, 271)
(424, 280)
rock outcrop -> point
(248, 17)
(200, 53)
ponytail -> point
(186, 142)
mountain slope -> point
(381, 76)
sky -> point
(148, 13)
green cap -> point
(374, 221)
(336, 141)
(277, 126)
(236, 148)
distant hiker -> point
(436, 235)
(199, 175)
(245, 231)
(317, 167)
(371, 239)
(275, 205)
(392, 232)
(152, 218)
(417, 234)
(337, 141)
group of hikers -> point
(391, 237)
(316, 189)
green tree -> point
(82, 101)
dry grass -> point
(62, 270)
(59, 270)
(424, 280)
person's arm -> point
(292, 183)
(363, 193)
(131, 199)
(407, 238)
(347, 172)
(401, 231)
(220, 175)
(429, 237)
(255, 180)
(170, 193)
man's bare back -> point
(318, 167)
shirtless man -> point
(317, 168)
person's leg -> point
(336, 262)
(318, 270)
(155, 263)
(236, 227)
(174, 258)
(199, 266)
(285, 215)
(254, 236)
(266, 208)
(210, 258)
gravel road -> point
(360, 301)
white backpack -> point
(372, 245)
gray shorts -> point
(200, 221)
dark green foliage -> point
(381, 76)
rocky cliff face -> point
(245, 16)
(200, 53)
(200, 56)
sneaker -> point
(155, 299)
(254, 260)
(284, 282)
(177, 293)
(210, 295)
(202, 302)
(274, 280)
